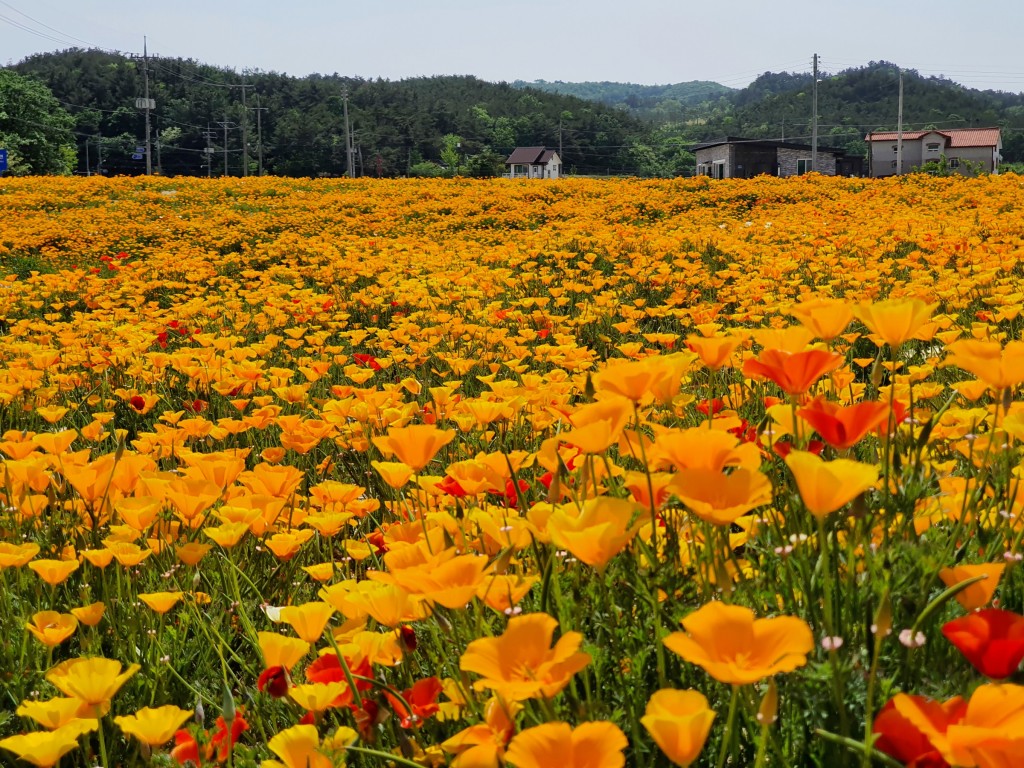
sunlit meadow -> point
(576, 474)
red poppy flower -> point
(377, 540)
(783, 447)
(327, 669)
(367, 361)
(991, 639)
(745, 432)
(274, 681)
(223, 739)
(900, 738)
(842, 427)
(451, 486)
(186, 748)
(513, 491)
(137, 402)
(422, 698)
(712, 406)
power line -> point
(45, 26)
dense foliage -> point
(395, 124)
(34, 129)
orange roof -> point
(958, 137)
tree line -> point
(75, 111)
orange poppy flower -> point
(599, 532)
(734, 647)
(154, 725)
(414, 446)
(794, 372)
(298, 747)
(161, 602)
(719, 498)
(520, 664)
(991, 732)
(52, 628)
(713, 351)
(896, 320)
(45, 748)
(593, 745)
(826, 486)
(825, 318)
(679, 723)
(484, 745)
(979, 594)
(308, 620)
(843, 427)
(54, 572)
(999, 367)
(16, 555)
(89, 615)
(93, 681)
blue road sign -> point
(3, 160)
(136, 156)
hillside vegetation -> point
(396, 124)
(460, 125)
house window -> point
(895, 148)
(893, 163)
(954, 162)
(932, 146)
(718, 170)
(803, 165)
(519, 169)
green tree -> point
(485, 164)
(450, 150)
(34, 128)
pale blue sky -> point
(645, 41)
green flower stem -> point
(730, 726)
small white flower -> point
(911, 639)
(831, 643)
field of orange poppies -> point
(582, 474)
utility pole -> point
(245, 133)
(99, 155)
(225, 124)
(87, 171)
(561, 157)
(208, 135)
(259, 132)
(146, 103)
(899, 131)
(814, 118)
(349, 170)
(145, 95)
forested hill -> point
(855, 101)
(778, 104)
(396, 124)
(660, 103)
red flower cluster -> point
(991, 639)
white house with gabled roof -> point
(533, 163)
